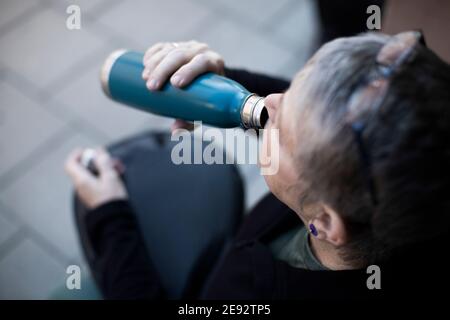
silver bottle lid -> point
(254, 114)
(106, 69)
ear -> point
(330, 226)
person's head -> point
(370, 170)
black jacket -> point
(248, 270)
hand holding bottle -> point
(180, 62)
(206, 96)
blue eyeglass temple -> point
(358, 128)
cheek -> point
(280, 185)
(279, 182)
(274, 184)
(265, 150)
(265, 146)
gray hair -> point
(409, 146)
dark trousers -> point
(187, 213)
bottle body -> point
(211, 98)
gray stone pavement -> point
(51, 102)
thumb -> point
(76, 171)
(104, 163)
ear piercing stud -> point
(313, 230)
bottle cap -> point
(254, 113)
(106, 69)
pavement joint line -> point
(77, 123)
(51, 249)
(44, 100)
(78, 65)
(109, 4)
(76, 71)
(234, 17)
(26, 15)
(19, 81)
(97, 27)
(288, 7)
(35, 157)
(90, 17)
(281, 42)
(12, 242)
(93, 12)
(27, 230)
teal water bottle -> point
(210, 98)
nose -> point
(272, 103)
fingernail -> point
(177, 80)
(153, 84)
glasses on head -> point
(392, 56)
